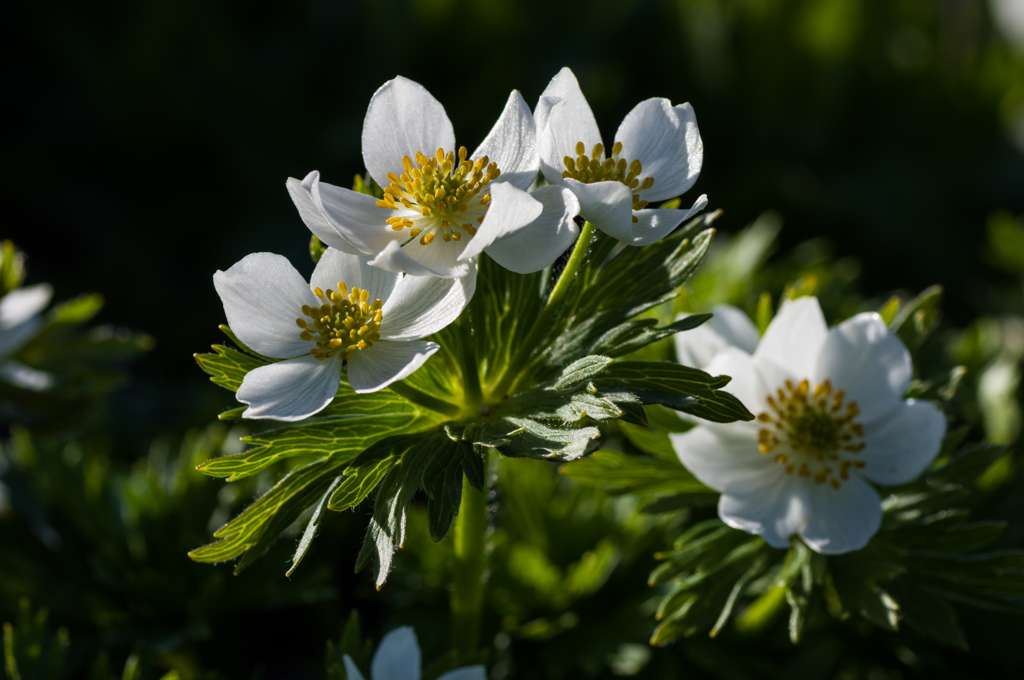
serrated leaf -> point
(368, 468)
(679, 387)
(581, 371)
(311, 528)
(341, 438)
(227, 367)
(528, 438)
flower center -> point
(439, 195)
(344, 322)
(589, 169)
(813, 434)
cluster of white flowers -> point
(403, 267)
(831, 418)
(831, 414)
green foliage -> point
(350, 643)
(31, 650)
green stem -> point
(423, 399)
(540, 326)
(467, 596)
(470, 370)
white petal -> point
(560, 124)
(726, 459)
(467, 673)
(351, 670)
(775, 510)
(795, 336)
(354, 270)
(21, 304)
(290, 390)
(263, 295)
(422, 305)
(654, 224)
(540, 242)
(510, 210)
(435, 259)
(729, 327)
(754, 379)
(357, 223)
(843, 519)
(25, 377)
(313, 215)
(387, 361)
(512, 144)
(665, 139)
(398, 657)
(403, 118)
(606, 205)
(901, 444)
(861, 357)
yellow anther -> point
(598, 150)
(616, 148)
(427, 239)
(589, 169)
(580, 149)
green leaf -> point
(340, 438)
(527, 438)
(310, 532)
(364, 473)
(442, 480)
(928, 613)
(581, 371)
(918, 317)
(633, 335)
(679, 387)
(249, 534)
(227, 367)
(650, 441)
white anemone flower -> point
(831, 420)
(367, 317)
(19, 322)
(398, 658)
(442, 206)
(657, 154)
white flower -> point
(729, 327)
(349, 311)
(831, 418)
(398, 658)
(657, 155)
(442, 206)
(19, 321)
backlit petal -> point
(385, 362)
(540, 242)
(423, 305)
(729, 327)
(512, 144)
(666, 141)
(510, 210)
(290, 390)
(563, 118)
(355, 271)
(263, 296)
(398, 657)
(403, 118)
(654, 224)
(606, 205)
(795, 337)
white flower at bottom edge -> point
(442, 205)
(350, 311)
(831, 419)
(398, 658)
(657, 154)
(19, 321)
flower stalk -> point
(468, 586)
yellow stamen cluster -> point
(344, 323)
(442, 187)
(588, 169)
(812, 433)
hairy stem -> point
(541, 324)
(421, 398)
(467, 596)
(470, 369)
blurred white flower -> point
(729, 327)
(657, 155)
(831, 418)
(442, 205)
(370, 318)
(398, 658)
(19, 321)
(1008, 17)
